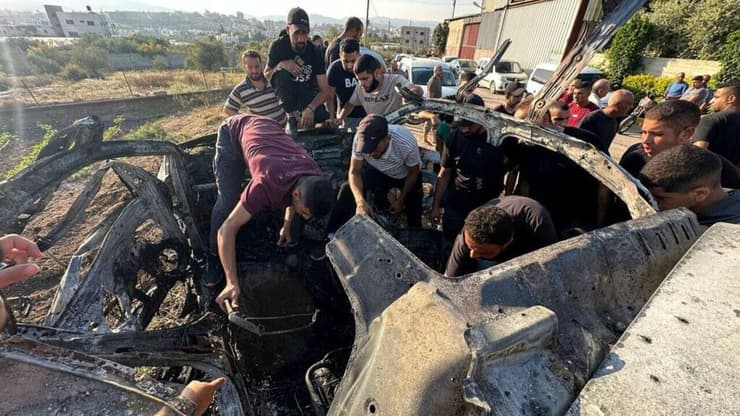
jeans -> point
(376, 185)
(228, 167)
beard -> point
(257, 77)
(299, 47)
(372, 86)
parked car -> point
(419, 70)
(397, 57)
(459, 65)
(448, 59)
(502, 74)
(542, 73)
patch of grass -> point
(115, 129)
(153, 131)
(5, 138)
(31, 155)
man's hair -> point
(467, 76)
(560, 106)
(315, 38)
(489, 224)
(682, 168)
(677, 114)
(733, 88)
(251, 54)
(349, 46)
(366, 63)
(353, 23)
(317, 193)
(584, 86)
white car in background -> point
(462, 65)
(503, 73)
(419, 70)
(542, 73)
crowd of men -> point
(493, 202)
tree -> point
(708, 26)
(730, 59)
(669, 19)
(206, 54)
(439, 38)
(625, 54)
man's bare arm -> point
(226, 238)
(356, 185)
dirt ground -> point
(41, 90)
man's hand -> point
(436, 214)
(290, 66)
(201, 393)
(17, 251)
(284, 238)
(307, 118)
(363, 208)
(230, 292)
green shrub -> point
(93, 59)
(730, 59)
(159, 63)
(73, 72)
(33, 153)
(625, 53)
(642, 84)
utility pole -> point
(453, 8)
(367, 24)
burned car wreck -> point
(637, 317)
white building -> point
(76, 24)
(414, 37)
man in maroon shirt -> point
(580, 105)
(283, 176)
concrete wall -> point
(23, 121)
(668, 67)
(134, 61)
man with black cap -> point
(513, 94)
(472, 173)
(296, 69)
(383, 157)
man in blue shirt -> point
(677, 88)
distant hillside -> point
(378, 21)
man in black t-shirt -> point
(568, 192)
(500, 230)
(688, 176)
(297, 73)
(604, 123)
(472, 173)
(353, 29)
(513, 95)
(667, 125)
(720, 131)
(342, 81)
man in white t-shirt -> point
(383, 157)
(375, 90)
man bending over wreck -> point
(500, 230)
(283, 176)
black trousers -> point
(295, 99)
(375, 187)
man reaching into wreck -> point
(283, 175)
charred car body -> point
(572, 328)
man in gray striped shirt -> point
(383, 157)
(255, 93)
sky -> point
(433, 10)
